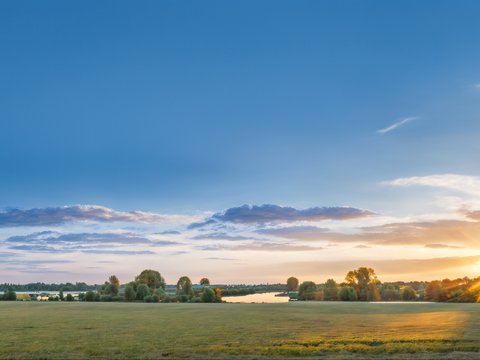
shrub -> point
(218, 295)
(90, 296)
(347, 293)
(148, 299)
(408, 293)
(117, 298)
(130, 294)
(69, 297)
(142, 291)
(81, 297)
(97, 297)
(183, 298)
(156, 298)
(318, 295)
(10, 295)
(390, 293)
(106, 298)
(161, 294)
(170, 299)
(306, 290)
(208, 295)
(330, 291)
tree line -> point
(363, 284)
(149, 286)
(39, 286)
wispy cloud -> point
(220, 236)
(442, 246)
(396, 125)
(53, 242)
(462, 183)
(438, 234)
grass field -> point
(321, 329)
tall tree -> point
(151, 278)
(435, 291)
(307, 290)
(130, 294)
(408, 293)
(292, 283)
(142, 291)
(347, 293)
(204, 282)
(330, 291)
(364, 281)
(184, 287)
(114, 281)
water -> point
(257, 298)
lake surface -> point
(257, 298)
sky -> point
(243, 141)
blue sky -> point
(192, 108)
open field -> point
(331, 330)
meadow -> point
(246, 331)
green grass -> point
(338, 330)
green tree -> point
(111, 289)
(130, 294)
(307, 290)
(204, 282)
(347, 293)
(69, 297)
(60, 295)
(292, 284)
(364, 281)
(152, 279)
(10, 295)
(142, 291)
(330, 290)
(90, 296)
(208, 295)
(184, 287)
(408, 293)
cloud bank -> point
(264, 214)
(79, 213)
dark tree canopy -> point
(130, 294)
(204, 282)
(142, 291)
(330, 291)
(208, 295)
(307, 290)
(347, 293)
(151, 278)
(184, 287)
(408, 293)
(292, 283)
(114, 281)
